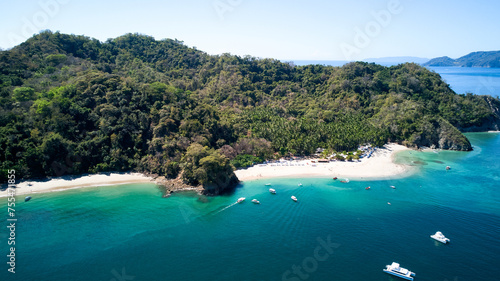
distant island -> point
(73, 105)
(475, 59)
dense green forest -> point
(71, 104)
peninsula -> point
(73, 105)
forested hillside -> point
(71, 104)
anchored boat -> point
(438, 236)
(396, 270)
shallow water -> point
(130, 231)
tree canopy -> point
(71, 104)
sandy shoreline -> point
(63, 183)
(379, 165)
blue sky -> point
(286, 30)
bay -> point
(106, 233)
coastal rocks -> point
(224, 183)
(492, 122)
(439, 133)
(174, 185)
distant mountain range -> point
(475, 59)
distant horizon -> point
(316, 30)
(386, 59)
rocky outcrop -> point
(224, 183)
(491, 123)
(439, 133)
(170, 186)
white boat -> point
(396, 270)
(294, 198)
(268, 184)
(300, 184)
(272, 190)
(440, 237)
(393, 187)
(241, 199)
(255, 201)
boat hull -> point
(398, 275)
(444, 241)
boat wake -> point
(225, 208)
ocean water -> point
(335, 231)
(475, 80)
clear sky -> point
(286, 30)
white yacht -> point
(396, 270)
(294, 198)
(440, 237)
(241, 199)
(255, 201)
(272, 190)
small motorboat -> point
(367, 188)
(272, 190)
(345, 181)
(300, 184)
(27, 198)
(334, 178)
(268, 184)
(294, 198)
(241, 199)
(438, 236)
(388, 203)
(448, 167)
(255, 201)
(396, 270)
(393, 187)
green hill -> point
(71, 105)
(476, 59)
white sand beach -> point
(68, 182)
(379, 165)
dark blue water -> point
(335, 232)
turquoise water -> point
(130, 232)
